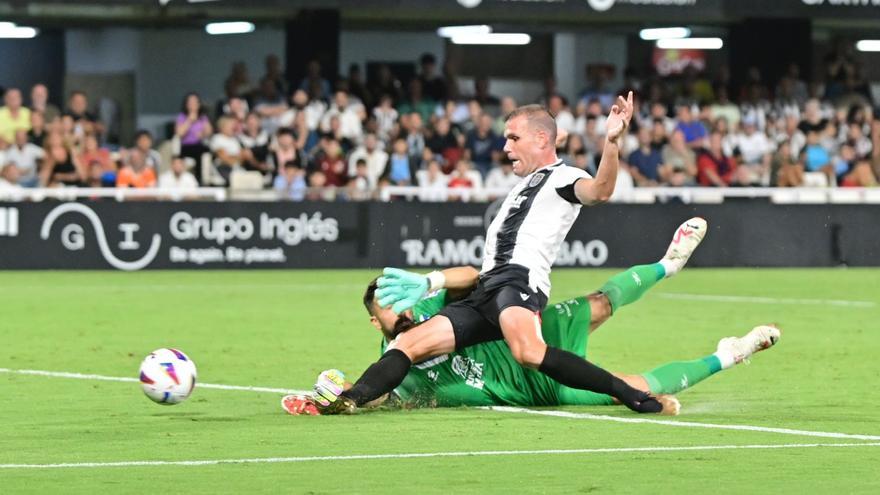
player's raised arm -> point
(600, 188)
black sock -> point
(380, 378)
(576, 372)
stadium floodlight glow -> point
(652, 34)
(11, 30)
(492, 39)
(230, 27)
(691, 44)
(453, 31)
(868, 45)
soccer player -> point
(514, 284)
(486, 374)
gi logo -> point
(536, 179)
(73, 236)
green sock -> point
(676, 376)
(627, 287)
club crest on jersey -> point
(536, 179)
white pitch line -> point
(505, 409)
(688, 424)
(767, 300)
(81, 376)
(483, 453)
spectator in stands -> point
(714, 168)
(84, 122)
(374, 157)
(433, 183)
(9, 179)
(693, 130)
(645, 162)
(508, 105)
(290, 183)
(386, 117)
(40, 103)
(755, 149)
(284, 150)
(558, 107)
(295, 118)
(226, 148)
(350, 115)
(445, 143)
(61, 167)
(860, 174)
(92, 152)
(255, 145)
(501, 179)
(417, 101)
(275, 74)
(193, 128)
(318, 189)
(812, 117)
(855, 135)
(331, 163)
(785, 171)
(238, 83)
(584, 161)
(237, 109)
(386, 84)
(360, 183)
(314, 83)
(143, 141)
(481, 146)
(25, 156)
(816, 157)
(37, 134)
(724, 108)
(679, 162)
(433, 84)
(659, 135)
(177, 177)
(269, 105)
(136, 171)
(357, 88)
(573, 144)
(415, 136)
(464, 177)
(484, 96)
(401, 169)
(13, 116)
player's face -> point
(388, 322)
(521, 145)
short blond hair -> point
(538, 118)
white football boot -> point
(734, 350)
(685, 241)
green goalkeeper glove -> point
(401, 289)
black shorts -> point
(475, 318)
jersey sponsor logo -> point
(637, 279)
(431, 362)
(470, 370)
(518, 201)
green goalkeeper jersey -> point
(486, 374)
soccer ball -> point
(168, 376)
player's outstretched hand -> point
(644, 402)
(400, 289)
(328, 386)
(619, 117)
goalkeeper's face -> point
(390, 323)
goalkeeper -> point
(487, 374)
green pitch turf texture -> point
(280, 329)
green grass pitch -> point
(280, 329)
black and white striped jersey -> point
(533, 221)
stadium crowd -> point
(315, 140)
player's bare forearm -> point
(461, 277)
(600, 188)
